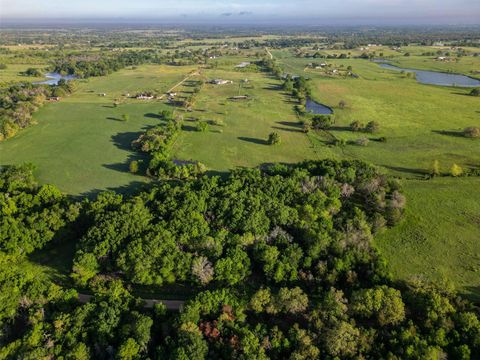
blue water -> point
(317, 108)
(437, 78)
(54, 78)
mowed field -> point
(440, 236)
(240, 140)
(80, 144)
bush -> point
(202, 126)
(472, 132)
(342, 104)
(125, 117)
(372, 127)
(356, 126)
(3, 66)
(456, 170)
(273, 138)
(362, 142)
(133, 166)
(475, 92)
(322, 121)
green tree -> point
(133, 167)
(129, 350)
(456, 170)
(383, 303)
(475, 92)
(435, 171)
(125, 117)
(372, 127)
(273, 138)
(472, 132)
(234, 267)
(356, 126)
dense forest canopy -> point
(280, 258)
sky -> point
(250, 11)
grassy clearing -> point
(439, 238)
(12, 73)
(241, 139)
(80, 144)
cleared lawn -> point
(241, 141)
(440, 236)
(80, 144)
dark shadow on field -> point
(153, 116)
(287, 129)
(449, 133)
(108, 106)
(274, 87)
(420, 173)
(290, 123)
(123, 141)
(253, 140)
(189, 128)
(114, 118)
(459, 93)
(57, 259)
(131, 188)
(472, 293)
(340, 128)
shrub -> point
(475, 92)
(456, 170)
(372, 127)
(3, 66)
(472, 132)
(435, 171)
(362, 142)
(356, 126)
(202, 126)
(273, 138)
(133, 166)
(342, 104)
(125, 117)
(322, 121)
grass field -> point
(80, 144)
(241, 140)
(440, 236)
(421, 122)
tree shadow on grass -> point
(189, 128)
(253, 140)
(114, 118)
(274, 87)
(340, 128)
(153, 116)
(449, 133)
(290, 123)
(130, 189)
(124, 140)
(419, 173)
(287, 129)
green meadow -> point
(81, 143)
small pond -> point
(54, 78)
(317, 108)
(437, 78)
